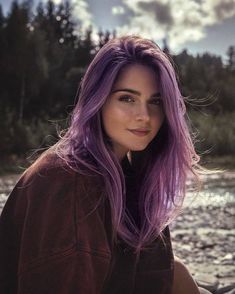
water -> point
(218, 191)
(6, 185)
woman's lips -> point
(139, 133)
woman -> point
(91, 214)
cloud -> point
(224, 9)
(179, 21)
(161, 11)
(80, 12)
(57, 1)
(118, 10)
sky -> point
(198, 25)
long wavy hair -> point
(161, 169)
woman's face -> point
(133, 114)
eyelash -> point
(125, 98)
(158, 100)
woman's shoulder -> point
(47, 166)
(47, 173)
(48, 177)
(48, 184)
(52, 173)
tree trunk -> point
(22, 98)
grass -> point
(226, 162)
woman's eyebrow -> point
(134, 92)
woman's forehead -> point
(136, 76)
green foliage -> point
(231, 57)
(215, 135)
(18, 137)
(206, 76)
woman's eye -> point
(156, 101)
(126, 98)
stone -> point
(227, 289)
(208, 282)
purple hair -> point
(161, 169)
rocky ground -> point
(203, 235)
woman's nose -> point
(143, 113)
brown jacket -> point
(48, 244)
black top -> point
(153, 272)
(131, 191)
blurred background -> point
(45, 48)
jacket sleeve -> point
(11, 225)
(36, 222)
